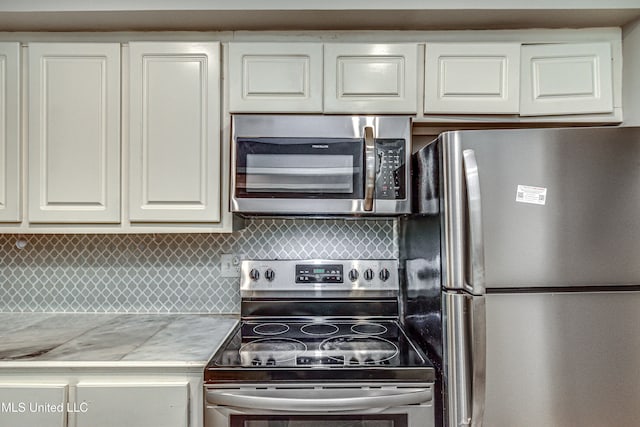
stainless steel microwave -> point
(320, 165)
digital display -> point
(318, 270)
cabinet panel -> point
(175, 132)
(74, 132)
(370, 78)
(117, 405)
(566, 79)
(275, 77)
(10, 132)
(472, 78)
(33, 405)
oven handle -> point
(370, 167)
(290, 400)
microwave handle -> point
(370, 168)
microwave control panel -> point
(390, 169)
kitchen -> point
(139, 265)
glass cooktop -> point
(321, 348)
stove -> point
(319, 320)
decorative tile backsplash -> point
(168, 272)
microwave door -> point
(299, 175)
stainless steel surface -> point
(295, 399)
(587, 232)
(563, 359)
(370, 168)
(360, 404)
(264, 125)
(304, 125)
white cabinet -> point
(139, 405)
(370, 78)
(566, 79)
(275, 77)
(10, 132)
(472, 78)
(174, 144)
(74, 132)
(29, 405)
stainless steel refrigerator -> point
(538, 268)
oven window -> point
(381, 420)
(299, 173)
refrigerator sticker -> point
(533, 195)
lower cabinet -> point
(31, 405)
(117, 405)
(105, 397)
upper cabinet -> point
(174, 144)
(74, 132)
(10, 132)
(560, 79)
(370, 78)
(472, 78)
(316, 78)
(110, 156)
(566, 79)
(275, 77)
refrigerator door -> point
(560, 207)
(563, 359)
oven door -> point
(327, 406)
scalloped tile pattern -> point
(168, 273)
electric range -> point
(319, 320)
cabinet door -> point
(74, 132)
(33, 405)
(10, 132)
(566, 79)
(117, 405)
(275, 77)
(472, 78)
(174, 168)
(370, 78)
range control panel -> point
(314, 275)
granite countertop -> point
(104, 340)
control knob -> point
(353, 275)
(384, 274)
(254, 274)
(269, 274)
(368, 274)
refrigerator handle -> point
(475, 240)
(466, 360)
(477, 316)
(478, 359)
